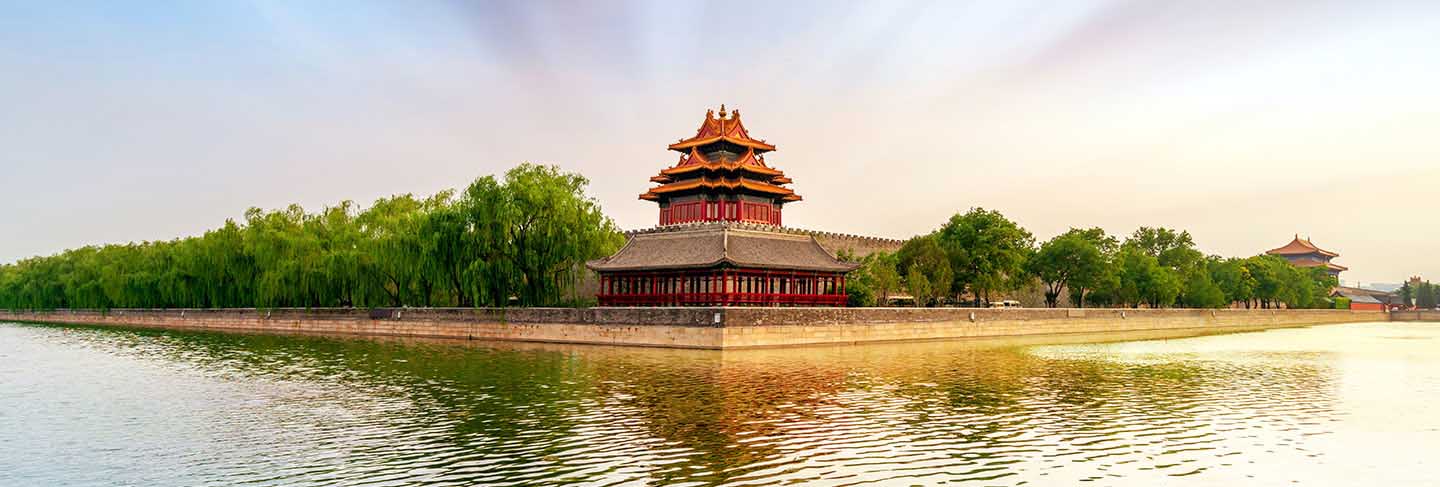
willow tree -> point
(391, 252)
(553, 227)
(339, 271)
(447, 248)
(490, 275)
(522, 239)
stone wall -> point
(1415, 316)
(761, 327)
(711, 328)
(661, 327)
(855, 245)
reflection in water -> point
(103, 406)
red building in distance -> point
(1301, 253)
(719, 240)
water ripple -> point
(89, 406)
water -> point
(1327, 405)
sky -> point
(1243, 122)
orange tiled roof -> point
(1318, 263)
(721, 183)
(1300, 246)
(722, 128)
(695, 161)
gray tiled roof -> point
(712, 245)
(1361, 298)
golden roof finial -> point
(722, 110)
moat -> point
(1352, 404)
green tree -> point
(872, 282)
(918, 285)
(1268, 271)
(1144, 281)
(1425, 297)
(1200, 291)
(1278, 283)
(1173, 249)
(1406, 293)
(1234, 279)
(987, 251)
(553, 227)
(924, 255)
(1070, 260)
(1101, 288)
(525, 239)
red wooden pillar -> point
(725, 287)
(767, 288)
(792, 289)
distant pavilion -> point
(1301, 253)
(719, 241)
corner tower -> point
(719, 242)
(721, 176)
(1302, 253)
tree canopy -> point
(1154, 267)
(1072, 260)
(928, 273)
(872, 283)
(987, 251)
(522, 239)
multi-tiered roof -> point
(719, 241)
(721, 159)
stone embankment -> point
(707, 328)
(1431, 315)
